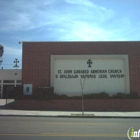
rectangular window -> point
(18, 81)
(8, 81)
(27, 89)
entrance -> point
(8, 91)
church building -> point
(111, 67)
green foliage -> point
(119, 96)
(133, 96)
(47, 93)
(102, 95)
(1, 50)
(43, 93)
(62, 96)
(125, 96)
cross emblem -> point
(16, 61)
(89, 62)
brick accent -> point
(36, 62)
(36, 58)
(76, 105)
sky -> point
(65, 20)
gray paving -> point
(4, 112)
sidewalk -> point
(26, 113)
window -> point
(27, 89)
(8, 81)
(18, 81)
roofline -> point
(76, 41)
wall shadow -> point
(7, 103)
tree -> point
(1, 53)
(82, 83)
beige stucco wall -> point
(9, 74)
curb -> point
(121, 117)
(13, 115)
(72, 116)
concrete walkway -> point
(94, 114)
(4, 112)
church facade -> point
(73, 68)
(111, 67)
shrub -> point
(132, 96)
(119, 96)
(102, 95)
(125, 96)
(62, 96)
(44, 93)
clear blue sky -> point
(65, 20)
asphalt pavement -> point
(58, 128)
